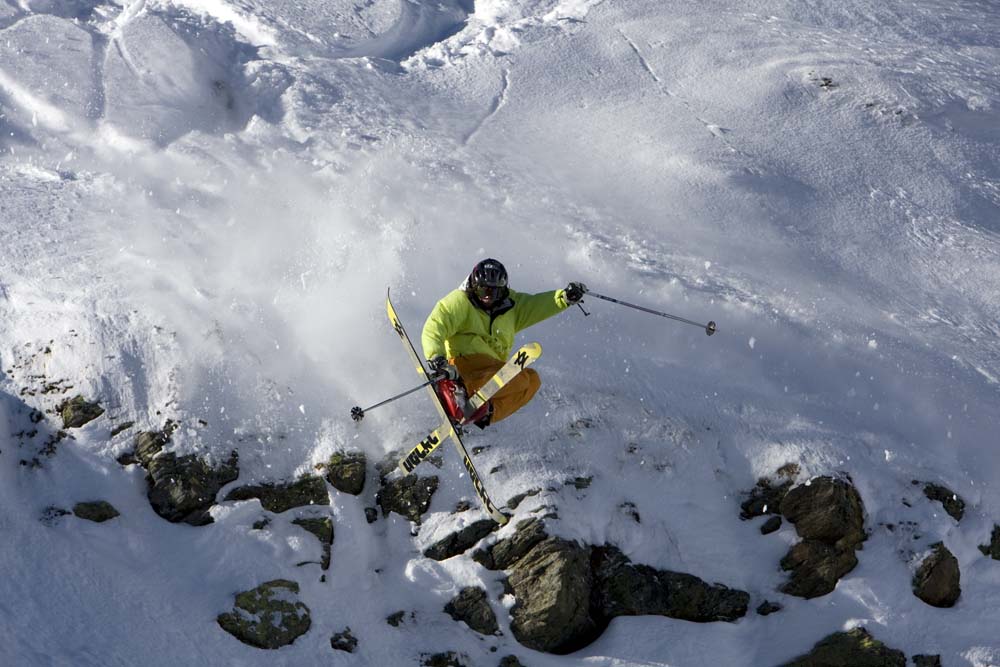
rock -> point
(513, 503)
(510, 661)
(472, 607)
(261, 524)
(278, 498)
(344, 641)
(826, 509)
(183, 489)
(371, 514)
(409, 496)
(269, 616)
(78, 411)
(938, 579)
(767, 608)
(953, 504)
(346, 472)
(927, 661)
(993, 548)
(395, 618)
(622, 588)
(97, 511)
(507, 552)
(855, 648)
(816, 568)
(461, 541)
(772, 524)
(552, 585)
(765, 498)
(322, 528)
(446, 659)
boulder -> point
(992, 549)
(855, 648)
(344, 641)
(816, 568)
(828, 510)
(408, 496)
(460, 541)
(306, 491)
(622, 588)
(938, 579)
(766, 608)
(552, 584)
(508, 551)
(97, 511)
(322, 528)
(77, 411)
(771, 525)
(345, 471)
(183, 489)
(765, 498)
(473, 608)
(952, 502)
(269, 616)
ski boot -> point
(455, 399)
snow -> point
(202, 204)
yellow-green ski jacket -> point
(457, 327)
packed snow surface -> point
(203, 202)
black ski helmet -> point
(488, 282)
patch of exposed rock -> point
(938, 579)
(98, 511)
(992, 549)
(951, 501)
(306, 491)
(444, 659)
(829, 517)
(409, 496)
(181, 488)
(78, 411)
(269, 616)
(765, 498)
(322, 528)
(461, 541)
(346, 472)
(855, 648)
(344, 641)
(473, 608)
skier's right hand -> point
(441, 369)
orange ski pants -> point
(477, 369)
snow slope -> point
(202, 204)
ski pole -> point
(709, 328)
(357, 413)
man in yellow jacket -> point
(470, 333)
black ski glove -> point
(574, 293)
(441, 369)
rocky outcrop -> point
(992, 549)
(829, 517)
(460, 541)
(78, 411)
(951, 501)
(927, 661)
(98, 511)
(344, 641)
(181, 488)
(346, 471)
(472, 607)
(765, 498)
(855, 648)
(508, 551)
(269, 616)
(322, 528)
(938, 579)
(306, 491)
(409, 496)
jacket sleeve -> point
(533, 308)
(440, 325)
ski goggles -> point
(490, 293)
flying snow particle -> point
(873, 344)
(888, 455)
(752, 341)
(708, 265)
(302, 409)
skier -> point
(470, 332)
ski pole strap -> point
(709, 328)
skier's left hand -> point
(574, 293)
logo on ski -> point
(420, 452)
(521, 359)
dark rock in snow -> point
(409, 496)
(855, 648)
(395, 618)
(268, 616)
(772, 524)
(927, 661)
(472, 607)
(513, 503)
(322, 528)
(344, 641)
(78, 411)
(765, 498)
(97, 511)
(816, 568)
(767, 608)
(938, 579)
(278, 498)
(461, 541)
(552, 584)
(445, 659)
(346, 472)
(510, 661)
(623, 588)
(371, 514)
(953, 504)
(183, 489)
(993, 548)
(508, 551)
